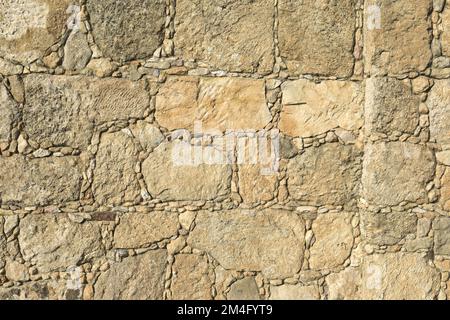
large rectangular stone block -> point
(438, 103)
(317, 37)
(398, 36)
(232, 35)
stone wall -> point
(93, 205)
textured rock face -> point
(54, 242)
(127, 30)
(329, 25)
(387, 276)
(192, 269)
(224, 149)
(219, 104)
(29, 27)
(439, 105)
(141, 229)
(310, 109)
(391, 106)
(334, 240)
(270, 241)
(168, 181)
(217, 32)
(386, 52)
(135, 278)
(39, 181)
(313, 175)
(411, 168)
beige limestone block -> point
(134, 278)
(397, 36)
(244, 289)
(142, 229)
(167, 180)
(219, 104)
(29, 27)
(218, 34)
(55, 243)
(294, 292)
(115, 180)
(127, 30)
(270, 241)
(328, 174)
(438, 103)
(333, 235)
(191, 278)
(310, 109)
(317, 37)
(39, 181)
(410, 168)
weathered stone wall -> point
(94, 207)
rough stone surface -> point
(294, 292)
(445, 38)
(254, 186)
(115, 180)
(387, 228)
(61, 111)
(135, 278)
(9, 114)
(334, 240)
(441, 228)
(54, 243)
(192, 269)
(217, 32)
(317, 37)
(445, 190)
(411, 168)
(29, 27)
(325, 175)
(391, 106)
(245, 289)
(219, 104)
(386, 51)
(439, 104)
(168, 181)
(390, 276)
(77, 52)
(141, 229)
(39, 181)
(127, 30)
(310, 109)
(270, 241)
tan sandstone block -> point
(438, 103)
(294, 292)
(270, 241)
(29, 27)
(39, 181)
(391, 106)
(316, 37)
(115, 180)
(62, 110)
(333, 235)
(445, 37)
(9, 116)
(134, 278)
(190, 279)
(219, 103)
(142, 229)
(410, 168)
(55, 243)
(244, 289)
(401, 42)
(127, 30)
(310, 109)
(389, 276)
(218, 33)
(254, 186)
(445, 190)
(328, 174)
(167, 180)
(441, 227)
